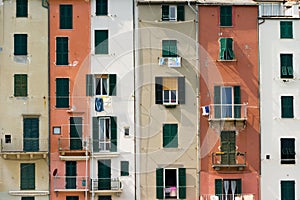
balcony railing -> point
(24, 145)
(229, 160)
(73, 146)
(106, 185)
(72, 183)
(227, 197)
(289, 9)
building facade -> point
(229, 100)
(24, 100)
(279, 55)
(166, 88)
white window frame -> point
(232, 101)
(171, 10)
(103, 141)
(177, 182)
(98, 77)
(169, 102)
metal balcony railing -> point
(229, 159)
(78, 183)
(24, 145)
(107, 184)
(228, 111)
(73, 144)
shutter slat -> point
(218, 188)
(159, 183)
(217, 101)
(182, 183)
(181, 90)
(112, 84)
(165, 12)
(89, 85)
(95, 134)
(158, 90)
(180, 13)
(113, 134)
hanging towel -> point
(99, 105)
(205, 110)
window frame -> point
(101, 45)
(286, 30)
(287, 108)
(21, 8)
(62, 50)
(220, 183)
(286, 64)
(226, 51)
(169, 135)
(20, 44)
(20, 85)
(91, 84)
(65, 18)
(62, 97)
(178, 10)
(290, 157)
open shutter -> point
(95, 134)
(180, 13)
(222, 48)
(239, 186)
(218, 188)
(172, 48)
(182, 183)
(159, 183)
(89, 85)
(181, 90)
(113, 131)
(165, 48)
(112, 84)
(165, 12)
(237, 101)
(158, 90)
(230, 54)
(217, 101)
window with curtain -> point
(228, 189)
(286, 65)
(226, 49)
(287, 150)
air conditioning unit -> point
(115, 184)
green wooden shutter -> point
(22, 8)
(101, 7)
(159, 183)
(65, 16)
(114, 132)
(124, 168)
(237, 100)
(158, 90)
(106, 197)
(165, 12)
(228, 146)
(165, 48)
(104, 174)
(75, 133)
(31, 134)
(20, 85)
(27, 198)
(239, 186)
(172, 48)
(287, 108)
(72, 197)
(229, 49)
(287, 190)
(62, 51)
(180, 13)
(89, 85)
(222, 48)
(286, 29)
(170, 135)
(286, 64)
(27, 176)
(218, 188)
(62, 93)
(95, 134)
(182, 183)
(20, 44)
(181, 90)
(71, 173)
(217, 101)
(101, 41)
(112, 84)
(225, 15)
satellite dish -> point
(54, 172)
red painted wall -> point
(79, 49)
(243, 72)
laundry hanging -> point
(99, 105)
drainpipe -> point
(45, 4)
(134, 99)
(197, 95)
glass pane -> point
(104, 86)
(166, 96)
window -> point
(124, 168)
(228, 146)
(171, 183)
(287, 108)
(65, 16)
(75, 133)
(286, 29)
(286, 65)
(56, 130)
(71, 171)
(227, 188)
(31, 134)
(169, 48)
(170, 135)
(126, 131)
(288, 151)
(7, 139)
(287, 190)
(27, 176)
(20, 83)
(22, 8)
(172, 12)
(104, 175)
(20, 44)
(101, 41)
(104, 197)
(101, 7)
(62, 93)
(72, 198)
(102, 84)
(227, 102)
(27, 198)
(169, 90)
(226, 50)
(104, 134)
(62, 51)
(225, 15)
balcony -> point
(289, 9)
(227, 117)
(232, 160)
(227, 197)
(24, 149)
(70, 183)
(106, 185)
(73, 148)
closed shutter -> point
(101, 7)
(62, 93)
(27, 176)
(71, 173)
(31, 134)
(89, 85)
(62, 51)
(239, 186)
(20, 85)
(181, 90)
(286, 29)
(112, 84)
(217, 101)
(165, 12)
(225, 15)
(170, 135)
(101, 41)
(22, 8)
(66, 17)
(20, 44)
(113, 132)
(104, 174)
(124, 168)
(228, 146)
(159, 183)
(287, 190)
(173, 48)
(182, 183)
(218, 188)
(180, 13)
(237, 101)
(158, 90)
(95, 134)
(75, 133)
(287, 108)
(27, 198)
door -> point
(104, 177)
(71, 169)
(31, 134)
(228, 147)
(75, 133)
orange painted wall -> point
(79, 49)
(243, 72)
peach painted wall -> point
(79, 49)
(243, 72)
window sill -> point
(231, 26)
(170, 105)
(233, 60)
